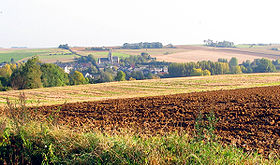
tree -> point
(236, 70)
(263, 65)
(86, 59)
(197, 72)
(233, 62)
(65, 46)
(225, 69)
(92, 59)
(6, 71)
(177, 70)
(150, 75)
(18, 80)
(92, 69)
(13, 66)
(32, 73)
(138, 75)
(131, 79)
(13, 61)
(206, 72)
(225, 44)
(106, 76)
(200, 72)
(142, 45)
(53, 75)
(222, 60)
(246, 67)
(77, 78)
(5, 81)
(27, 76)
(120, 76)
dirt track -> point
(248, 118)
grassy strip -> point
(24, 141)
(39, 143)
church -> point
(109, 60)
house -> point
(67, 69)
(2, 64)
(159, 70)
(165, 69)
(87, 75)
(156, 70)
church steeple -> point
(110, 57)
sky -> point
(48, 23)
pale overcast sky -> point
(48, 23)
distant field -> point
(102, 54)
(45, 55)
(258, 46)
(54, 58)
(185, 53)
(194, 53)
(182, 53)
(19, 54)
(155, 87)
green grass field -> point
(43, 54)
(49, 55)
(20, 54)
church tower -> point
(110, 57)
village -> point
(92, 68)
(137, 67)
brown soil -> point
(248, 118)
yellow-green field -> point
(49, 55)
(141, 88)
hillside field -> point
(49, 55)
(182, 53)
(141, 88)
(188, 53)
(247, 118)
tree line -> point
(223, 44)
(34, 74)
(223, 66)
(142, 45)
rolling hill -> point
(182, 53)
(188, 53)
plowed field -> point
(248, 118)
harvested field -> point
(140, 88)
(193, 53)
(248, 118)
(186, 53)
